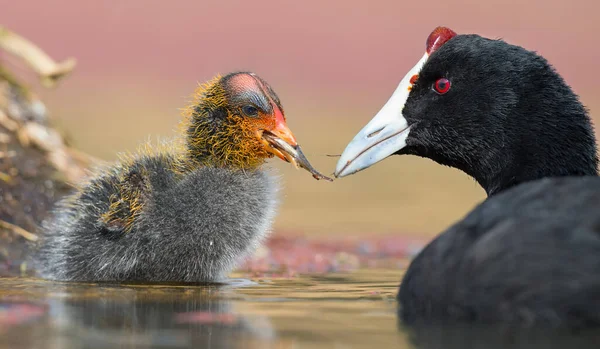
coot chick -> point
(184, 212)
(530, 253)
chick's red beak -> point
(281, 132)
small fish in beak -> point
(290, 153)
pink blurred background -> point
(333, 64)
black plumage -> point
(507, 118)
(530, 253)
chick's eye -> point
(250, 110)
(442, 85)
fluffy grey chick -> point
(185, 213)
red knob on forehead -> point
(438, 37)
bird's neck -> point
(215, 137)
(558, 146)
(226, 147)
(533, 167)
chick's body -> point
(192, 228)
(187, 214)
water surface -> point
(350, 310)
(354, 310)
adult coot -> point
(185, 212)
(530, 253)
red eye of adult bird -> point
(442, 86)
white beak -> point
(384, 135)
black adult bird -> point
(530, 253)
(186, 213)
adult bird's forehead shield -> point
(387, 132)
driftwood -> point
(37, 167)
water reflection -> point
(307, 312)
(354, 310)
(131, 316)
(492, 337)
